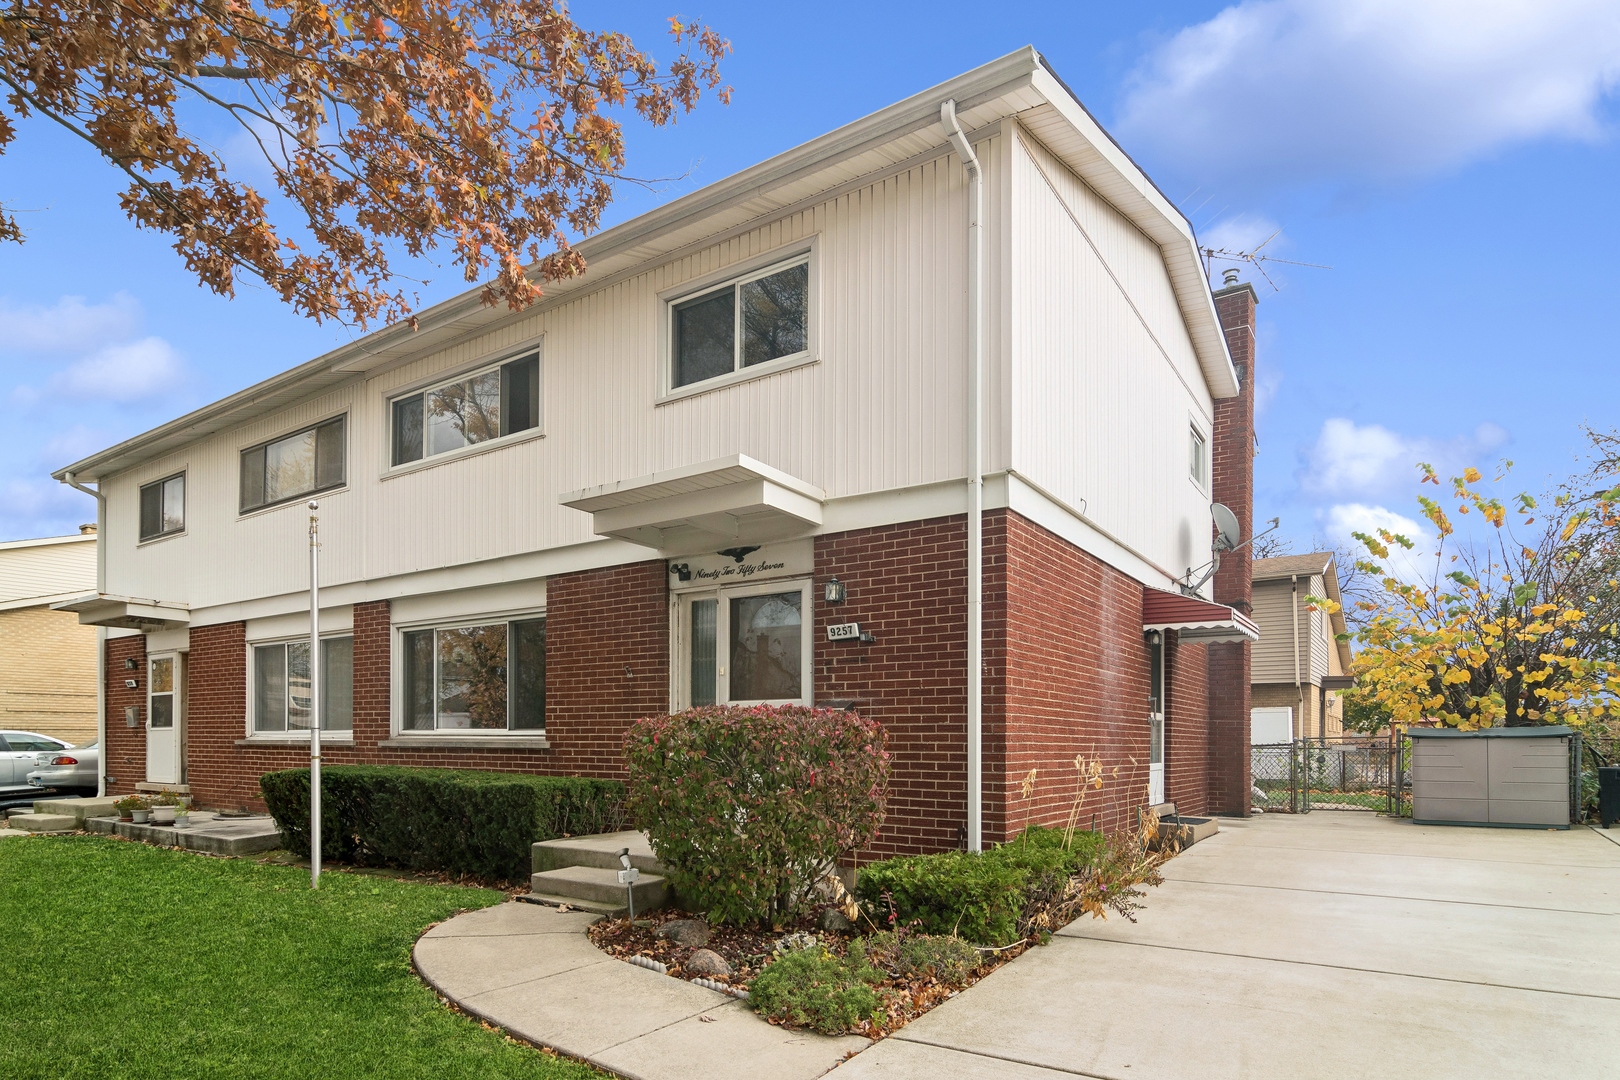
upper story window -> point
(490, 404)
(1197, 457)
(163, 507)
(749, 320)
(299, 464)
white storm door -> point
(1156, 759)
(163, 720)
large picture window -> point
(748, 321)
(163, 507)
(490, 404)
(747, 646)
(300, 464)
(485, 677)
(281, 700)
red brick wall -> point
(123, 758)
(1186, 726)
(907, 585)
(1233, 484)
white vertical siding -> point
(1104, 377)
(883, 408)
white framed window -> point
(487, 676)
(163, 507)
(1198, 457)
(749, 320)
(293, 466)
(745, 645)
(482, 406)
(280, 679)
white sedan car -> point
(23, 753)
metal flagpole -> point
(314, 700)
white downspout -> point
(975, 479)
(101, 631)
(1299, 694)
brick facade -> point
(1232, 459)
(123, 758)
(1066, 673)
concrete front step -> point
(597, 886)
(209, 832)
(600, 850)
(43, 823)
(81, 809)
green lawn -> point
(122, 960)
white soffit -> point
(729, 501)
(126, 612)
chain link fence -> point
(1333, 774)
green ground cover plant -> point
(987, 898)
(129, 961)
(812, 988)
(457, 821)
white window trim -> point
(489, 362)
(293, 500)
(1202, 483)
(680, 643)
(403, 736)
(185, 507)
(255, 737)
(736, 274)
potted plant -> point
(163, 808)
(182, 816)
(127, 806)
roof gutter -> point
(975, 477)
(101, 631)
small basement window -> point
(486, 405)
(299, 464)
(748, 321)
(163, 507)
(486, 677)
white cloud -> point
(1350, 460)
(71, 325)
(125, 372)
(1341, 522)
(1296, 90)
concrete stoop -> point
(582, 872)
(208, 833)
(43, 823)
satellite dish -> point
(1229, 533)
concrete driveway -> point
(1337, 945)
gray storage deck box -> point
(1515, 777)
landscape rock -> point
(835, 921)
(706, 962)
(693, 933)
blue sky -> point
(1455, 163)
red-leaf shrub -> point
(749, 808)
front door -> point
(165, 720)
(1156, 718)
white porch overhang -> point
(1195, 619)
(703, 507)
(127, 612)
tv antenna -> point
(1228, 537)
(1254, 258)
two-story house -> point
(744, 458)
(1303, 658)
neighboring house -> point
(730, 463)
(47, 658)
(1300, 662)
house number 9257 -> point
(847, 631)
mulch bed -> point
(748, 950)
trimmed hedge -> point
(982, 897)
(451, 820)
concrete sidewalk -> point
(1332, 945)
(531, 970)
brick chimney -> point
(1232, 483)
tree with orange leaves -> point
(413, 125)
(1501, 631)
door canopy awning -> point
(1195, 619)
(704, 507)
(127, 612)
